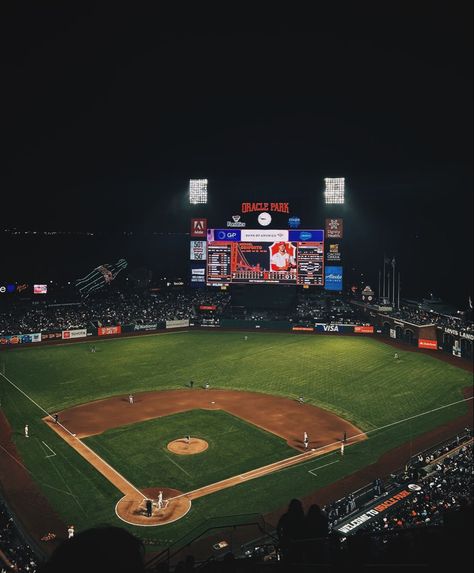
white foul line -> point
(323, 466)
(52, 452)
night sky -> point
(106, 116)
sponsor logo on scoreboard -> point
(236, 222)
(333, 278)
(223, 235)
(294, 222)
(333, 254)
(334, 228)
(198, 227)
(198, 250)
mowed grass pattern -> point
(139, 451)
(356, 378)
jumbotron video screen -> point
(280, 256)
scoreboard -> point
(280, 256)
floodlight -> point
(197, 191)
(334, 191)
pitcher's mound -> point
(182, 447)
(132, 509)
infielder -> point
(160, 500)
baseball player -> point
(160, 500)
(27, 431)
(130, 398)
(149, 507)
(342, 448)
(70, 531)
(187, 439)
(305, 441)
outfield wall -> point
(425, 338)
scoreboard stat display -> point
(265, 256)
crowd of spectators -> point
(31, 317)
(423, 317)
(322, 308)
(447, 485)
(107, 309)
(15, 554)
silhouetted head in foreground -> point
(99, 549)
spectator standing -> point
(290, 528)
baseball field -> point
(248, 419)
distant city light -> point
(197, 191)
(334, 191)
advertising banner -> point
(177, 323)
(40, 289)
(334, 228)
(108, 330)
(333, 278)
(51, 335)
(334, 328)
(210, 323)
(198, 250)
(207, 307)
(151, 326)
(198, 276)
(459, 333)
(333, 254)
(364, 329)
(393, 333)
(430, 344)
(20, 338)
(304, 328)
(236, 222)
(198, 227)
(351, 525)
(78, 333)
(311, 235)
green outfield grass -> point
(356, 378)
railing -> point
(205, 529)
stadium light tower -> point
(197, 191)
(334, 190)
